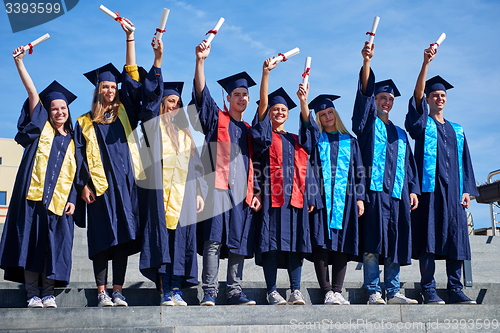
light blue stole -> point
(379, 157)
(335, 204)
(430, 155)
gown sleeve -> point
(416, 118)
(30, 128)
(364, 113)
(207, 112)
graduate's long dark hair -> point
(68, 125)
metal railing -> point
(492, 205)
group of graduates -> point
(255, 191)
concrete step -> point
(259, 318)
(145, 294)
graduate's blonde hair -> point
(99, 110)
(172, 129)
(338, 122)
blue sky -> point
(332, 32)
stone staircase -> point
(77, 311)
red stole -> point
(276, 173)
(223, 159)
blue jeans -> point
(210, 272)
(169, 280)
(372, 275)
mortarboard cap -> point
(386, 86)
(172, 88)
(105, 73)
(322, 102)
(236, 81)
(436, 83)
(56, 91)
(279, 96)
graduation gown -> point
(282, 228)
(177, 247)
(114, 216)
(439, 222)
(346, 239)
(227, 217)
(33, 237)
(386, 226)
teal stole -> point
(430, 155)
(336, 177)
(379, 157)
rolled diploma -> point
(306, 68)
(287, 55)
(114, 16)
(33, 43)
(161, 26)
(216, 28)
(440, 40)
(374, 28)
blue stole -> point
(379, 157)
(430, 155)
(335, 206)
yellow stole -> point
(66, 174)
(175, 170)
(93, 151)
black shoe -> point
(458, 297)
(431, 297)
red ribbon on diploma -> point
(118, 17)
(284, 58)
(434, 44)
(159, 30)
(212, 32)
(370, 33)
(31, 48)
(306, 72)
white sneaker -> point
(296, 298)
(399, 298)
(335, 298)
(274, 298)
(104, 300)
(35, 302)
(49, 302)
(119, 299)
(340, 300)
(375, 299)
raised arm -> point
(158, 54)
(367, 53)
(264, 88)
(26, 79)
(130, 58)
(202, 52)
(303, 94)
(429, 54)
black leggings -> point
(119, 255)
(339, 266)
